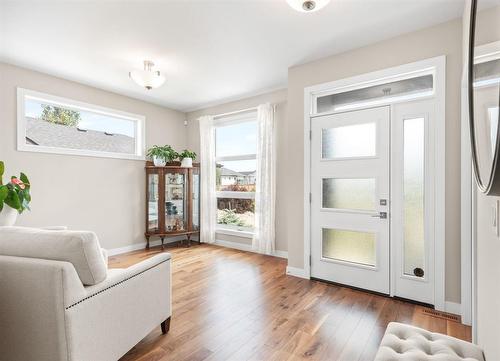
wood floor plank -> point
(234, 305)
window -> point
(236, 164)
(56, 125)
(383, 92)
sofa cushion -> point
(80, 248)
(408, 343)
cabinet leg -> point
(162, 239)
(189, 240)
(147, 242)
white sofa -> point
(58, 300)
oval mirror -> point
(484, 93)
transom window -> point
(236, 164)
(51, 124)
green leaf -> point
(4, 191)
(2, 169)
(12, 200)
(27, 195)
(24, 179)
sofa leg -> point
(165, 326)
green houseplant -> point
(187, 157)
(162, 154)
(14, 197)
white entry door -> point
(350, 198)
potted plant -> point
(170, 154)
(162, 154)
(14, 197)
(187, 158)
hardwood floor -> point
(235, 305)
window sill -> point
(234, 232)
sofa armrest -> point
(118, 276)
(55, 228)
(129, 304)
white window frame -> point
(23, 94)
(227, 229)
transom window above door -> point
(404, 87)
(236, 164)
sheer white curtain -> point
(265, 194)
(208, 200)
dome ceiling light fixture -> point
(307, 6)
(147, 78)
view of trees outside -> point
(83, 119)
(61, 116)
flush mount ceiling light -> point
(307, 6)
(147, 78)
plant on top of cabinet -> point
(187, 157)
(162, 154)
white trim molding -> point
(453, 308)
(142, 245)
(297, 272)
(435, 66)
(247, 248)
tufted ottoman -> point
(408, 343)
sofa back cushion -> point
(81, 248)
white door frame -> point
(436, 66)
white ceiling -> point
(210, 51)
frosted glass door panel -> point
(350, 141)
(413, 190)
(345, 193)
(349, 246)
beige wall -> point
(487, 243)
(444, 39)
(81, 174)
(101, 194)
(278, 98)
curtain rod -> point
(240, 111)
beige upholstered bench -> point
(408, 343)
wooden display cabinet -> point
(172, 201)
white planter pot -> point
(187, 163)
(8, 216)
(159, 162)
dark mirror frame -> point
(490, 186)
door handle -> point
(381, 215)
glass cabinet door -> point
(153, 224)
(176, 201)
(195, 194)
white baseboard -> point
(247, 247)
(142, 245)
(297, 272)
(454, 308)
(281, 254)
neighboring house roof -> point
(40, 132)
(247, 173)
(229, 172)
